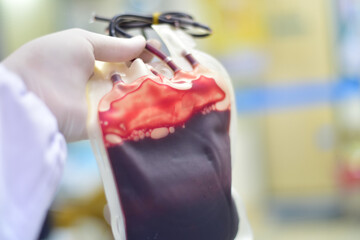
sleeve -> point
(32, 157)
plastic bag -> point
(163, 142)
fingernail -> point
(138, 37)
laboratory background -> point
(295, 67)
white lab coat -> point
(32, 157)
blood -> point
(176, 186)
(151, 104)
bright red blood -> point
(155, 104)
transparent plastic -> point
(164, 143)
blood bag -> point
(164, 143)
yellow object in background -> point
(295, 35)
(300, 41)
(300, 52)
(301, 153)
(91, 205)
(235, 24)
(297, 40)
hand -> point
(57, 67)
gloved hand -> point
(57, 67)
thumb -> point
(112, 49)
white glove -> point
(57, 67)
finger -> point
(112, 49)
(147, 56)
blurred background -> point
(295, 66)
